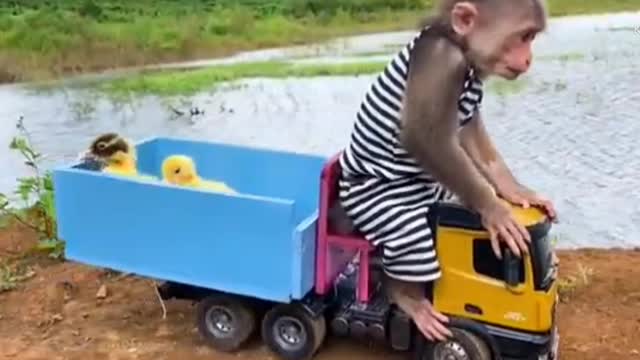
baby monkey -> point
(419, 138)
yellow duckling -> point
(118, 155)
(181, 170)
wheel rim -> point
(219, 321)
(450, 350)
(289, 333)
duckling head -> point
(110, 148)
(179, 169)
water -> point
(567, 130)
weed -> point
(569, 285)
(35, 193)
(11, 275)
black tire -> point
(292, 333)
(464, 345)
(225, 322)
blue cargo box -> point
(260, 243)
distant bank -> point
(43, 40)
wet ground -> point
(62, 313)
(568, 128)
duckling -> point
(181, 170)
(117, 155)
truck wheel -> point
(225, 322)
(292, 333)
(463, 346)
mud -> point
(58, 315)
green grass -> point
(189, 82)
(568, 57)
(503, 87)
(167, 83)
(584, 7)
(45, 39)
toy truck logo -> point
(515, 316)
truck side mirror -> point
(511, 265)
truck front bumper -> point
(514, 345)
(552, 353)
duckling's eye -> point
(177, 171)
(101, 145)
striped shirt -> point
(382, 187)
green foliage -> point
(116, 10)
(167, 83)
(36, 195)
(90, 9)
(44, 39)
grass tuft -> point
(569, 285)
(12, 275)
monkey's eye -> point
(528, 36)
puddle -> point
(568, 128)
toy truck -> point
(268, 260)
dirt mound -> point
(70, 311)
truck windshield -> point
(542, 257)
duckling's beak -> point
(89, 161)
(87, 156)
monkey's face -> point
(498, 42)
(511, 52)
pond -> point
(569, 128)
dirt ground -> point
(56, 314)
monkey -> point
(419, 138)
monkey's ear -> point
(463, 17)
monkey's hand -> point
(501, 225)
(521, 195)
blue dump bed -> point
(260, 243)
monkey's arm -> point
(477, 143)
(430, 120)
